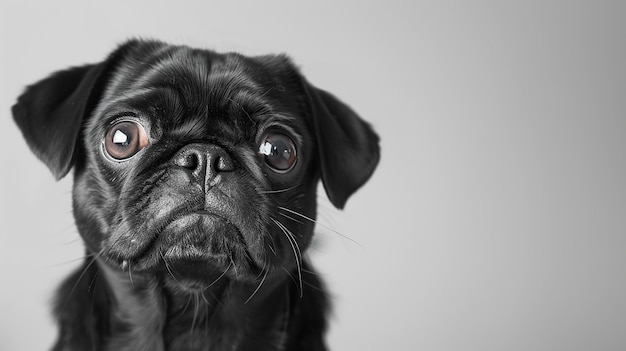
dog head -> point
(193, 163)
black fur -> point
(196, 241)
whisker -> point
(272, 249)
(220, 277)
(289, 275)
(77, 259)
(80, 277)
(261, 272)
(167, 266)
(314, 287)
(93, 280)
(258, 287)
(73, 241)
(311, 272)
(187, 304)
(296, 251)
(278, 190)
(317, 223)
(130, 274)
(293, 219)
(272, 245)
(217, 301)
(234, 266)
(205, 300)
(196, 312)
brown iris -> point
(279, 152)
(124, 139)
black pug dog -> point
(195, 177)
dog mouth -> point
(193, 235)
(191, 246)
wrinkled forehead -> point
(199, 75)
(191, 91)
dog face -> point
(196, 165)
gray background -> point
(497, 218)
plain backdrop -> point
(497, 217)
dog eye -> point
(279, 152)
(124, 139)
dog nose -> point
(204, 161)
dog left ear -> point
(348, 150)
(50, 114)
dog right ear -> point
(50, 114)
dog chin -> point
(189, 275)
(202, 245)
(195, 248)
(197, 235)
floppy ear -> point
(50, 114)
(347, 146)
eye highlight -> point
(279, 152)
(124, 139)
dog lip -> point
(136, 247)
(177, 245)
(182, 212)
(171, 232)
(201, 213)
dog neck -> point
(137, 315)
(149, 314)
